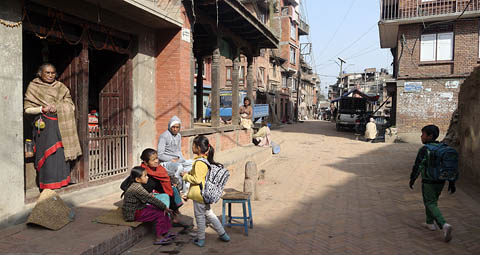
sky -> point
(347, 29)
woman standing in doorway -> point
(55, 131)
(246, 114)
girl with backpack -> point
(196, 177)
(135, 207)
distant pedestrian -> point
(371, 130)
(197, 177)
(431, 187)
(135, 207)
(246, 113)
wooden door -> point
(114, 98)
(72, 69)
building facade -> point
(435, 45)
(128, 72)
(274, 71)
(116, 65)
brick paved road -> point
(329, 194)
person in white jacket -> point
(169, 151)
(371, 130)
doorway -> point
(108, 105)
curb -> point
(120, 242)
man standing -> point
(170, 154)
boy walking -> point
(431, 187)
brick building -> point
(130, 67)
(274, 71)
(435, 45)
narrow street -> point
(326, 193)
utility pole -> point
(341, 66)
(341, 72)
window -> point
(293, 31)
(196, 68)
(274, 70)
(261, 77)
(229, 73)
(284, 81)
(293, 55)
(436, 47)
(263, 17)
(241, 74)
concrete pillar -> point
(250, 79)
(251, 178)
(199, 90)
(143, 83)
(12, 186)
(235, 91)
(215, 94)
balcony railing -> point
(406, 9)
(303, 28)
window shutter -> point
(427, 48)
(445, 46)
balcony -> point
(394, 13)
(303, 28)
(412, 9)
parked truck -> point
(260, 111)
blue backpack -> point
(442, 162)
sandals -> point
(167, 239)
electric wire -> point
(338, 28)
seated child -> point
(159, 180)
(135, 207)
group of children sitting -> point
(150, 196)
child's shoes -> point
(430, 227)
(225, 237)
(447, 232)
(199, 242)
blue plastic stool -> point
(239, 198)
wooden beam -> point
(215, 93)
(250, 80)
(199, 89)
(239, 41)
(235, 90)
(244, 12)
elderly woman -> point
(371, 130)
(55, 131)
(246, 112)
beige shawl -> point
(40, 93)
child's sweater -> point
(196, 177)
(135, 198)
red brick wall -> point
(465, 53)
(186, 146)
(173, 72)
(433, 104)
(466, 46)
(244, 137)
(228, 140)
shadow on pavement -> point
(322, 127)
(325, 195)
